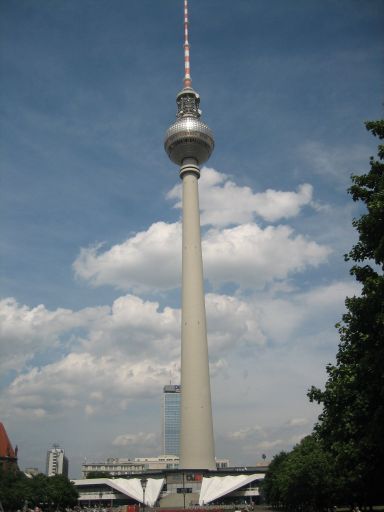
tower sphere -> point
(188, 136)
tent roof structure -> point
(129, 487)
(218, 486)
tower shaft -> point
(189, 143)
(196, 437)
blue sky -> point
(90, 224)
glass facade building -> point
(171, 419)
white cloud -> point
(129, 350)
(231, 323)
(137, 439)
(25, 331)
(125, 352)
(136, 328)
(246, 255)
(70, 385)
(223, 203)
(251, 256)
(149, 260)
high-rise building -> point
(189, 143)
(171, 420)
(57, 462)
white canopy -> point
(218, 486)
(130, 487)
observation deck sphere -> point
(188, 137)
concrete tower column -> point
(189, 143)
(196, 442)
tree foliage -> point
(302, 479)
(272, 490)
(51, 493)
(99, 474)
(351, 424)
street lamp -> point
(143, 482)
(183, 489)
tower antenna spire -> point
(187, 67)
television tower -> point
(189, 143)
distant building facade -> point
(175, 488)
(125, 467)
(57, 462)
(171, 420)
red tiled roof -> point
(6, 449)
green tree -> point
(271, 484)
(50, 492)
(99, 474)
(302, 479)
(61, 492)
(351, 424)
(14, 487)
(37, 493)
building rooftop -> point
(6, 448)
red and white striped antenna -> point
(187, 68)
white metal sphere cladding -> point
(189, 137)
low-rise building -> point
(175, 488)
(125, 467)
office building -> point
(57, 462)
(119, 466)
(170, 409)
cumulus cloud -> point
(223, 203)
(136, 328)
(231, 322)
(235, 248)
(26, 331)
(251, 256)
(246, 255)
(125, 352)
(149, 260)
(70, 384)
(129, 350)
